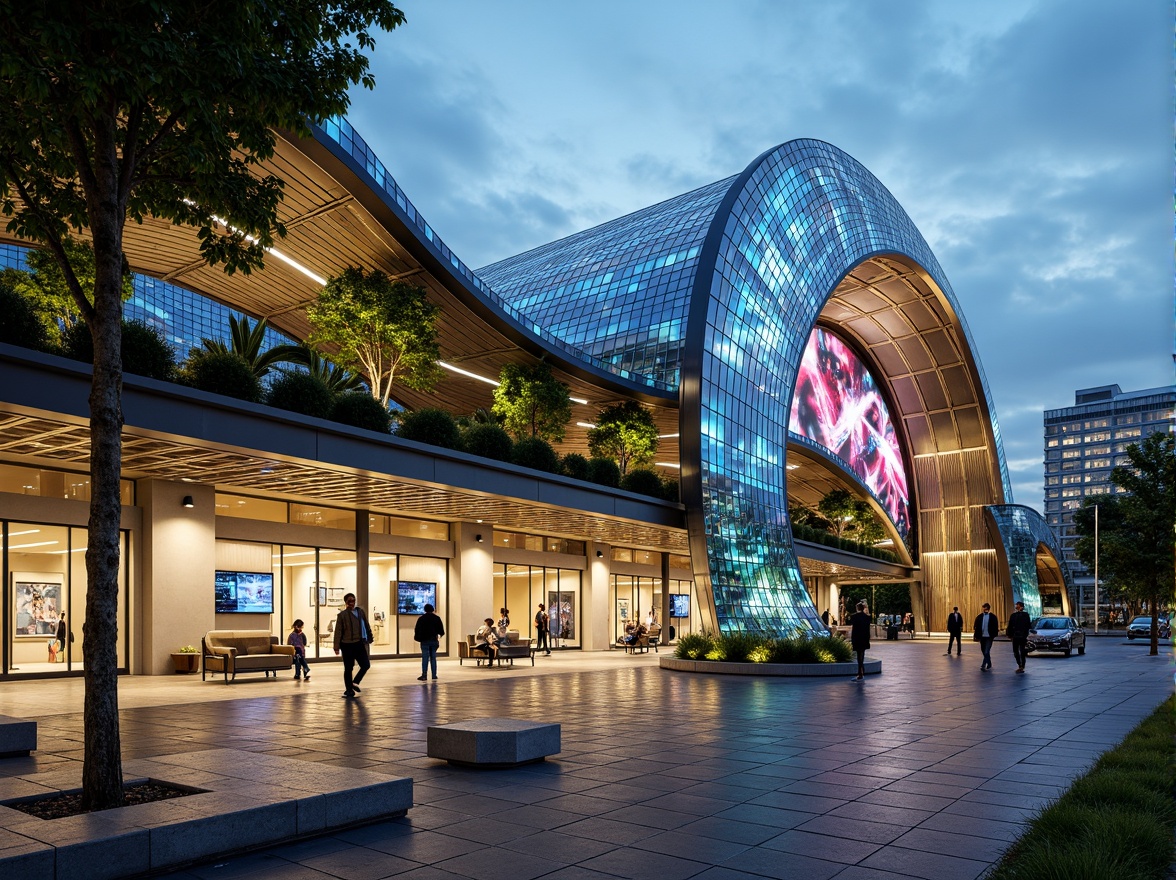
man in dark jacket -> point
(428, 632)
(859, 637)
(1018, 632)
(353, 634)
(955, 626)
(984, 631)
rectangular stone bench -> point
(17, 736)
(493, 742)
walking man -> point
(859, 637)
(542, 630)
(428, 632)
(1018, 632)
(984, 631)
(352, 637)
(955, 626)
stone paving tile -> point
(778, 778)
(355, 863)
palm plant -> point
(336, 378)
(246, 340)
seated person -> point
(633, 633)
(486, 639)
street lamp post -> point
(1096, 569)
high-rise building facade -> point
(1083, 443)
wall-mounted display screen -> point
(837, 405)
(244, 592)
(679, 605)
(411, 596)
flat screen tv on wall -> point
(679, 605)
(244, 592)
(411, 596)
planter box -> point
(186, 663)
(873, 667)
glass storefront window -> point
(382, 577)
(46, 575)
(522, 587)
(243, 507)
(323, 517)
(21, 480)
(418, 528)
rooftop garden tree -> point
(384, 329)
(113, 112)
(532, 403)
(1135, 547)
(626, 433)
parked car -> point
(1141, 627)
(1056, 634)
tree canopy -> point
(118, 111)
(624, 432)
(1135, 541)
(532, 402)
(384, 329)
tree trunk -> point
(102, 779)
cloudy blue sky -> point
(1030, 141)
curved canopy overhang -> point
(1030, 554)
(341, 208)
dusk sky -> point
(1030, 142)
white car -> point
(1141, 627)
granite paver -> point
(929, 769)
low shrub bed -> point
(757, 648)
(1115, 822)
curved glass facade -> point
(801, 217)
(1021, 531)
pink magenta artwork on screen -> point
(837, 405)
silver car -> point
(1056, 634)
(1141, 627)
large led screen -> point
(244, 592)
(837, 405)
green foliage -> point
(247, 340)
(838, 508)
(575, 466)
(761, 648)
(18, 321)
(1135, 528)
(384, 329)
(433, 426)
(844, 516)
(604, 472)
(488, 441)
(222, 373)
(671, 490)
(800, 515)
(819, 536)
(626, 433)
(45, 288)
(537, 454)
(301, 392)
(358, 409)
(336, 378)
(531, 402)
(144, 350)
(643, 482)
(1115, 822)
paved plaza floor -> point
(928, 770)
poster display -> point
(561, 614)
(37, 604)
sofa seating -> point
(515, 648)
(233, 651)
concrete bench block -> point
(17, 736)
(493, 742)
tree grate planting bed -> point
(69, 803)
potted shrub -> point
(186, 660)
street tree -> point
(387, 330)
(1135, 543)
(837, 506)
(116, 112)
(532, 402)
(624, 432)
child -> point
(298, 640)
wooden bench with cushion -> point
(233, 651)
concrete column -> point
(471, 587)
(179, 570)
(362, 552)
(663, 613)
(594, 602)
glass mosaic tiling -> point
(1022, 530)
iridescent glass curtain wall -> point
(790, 228)
(1019, 532)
